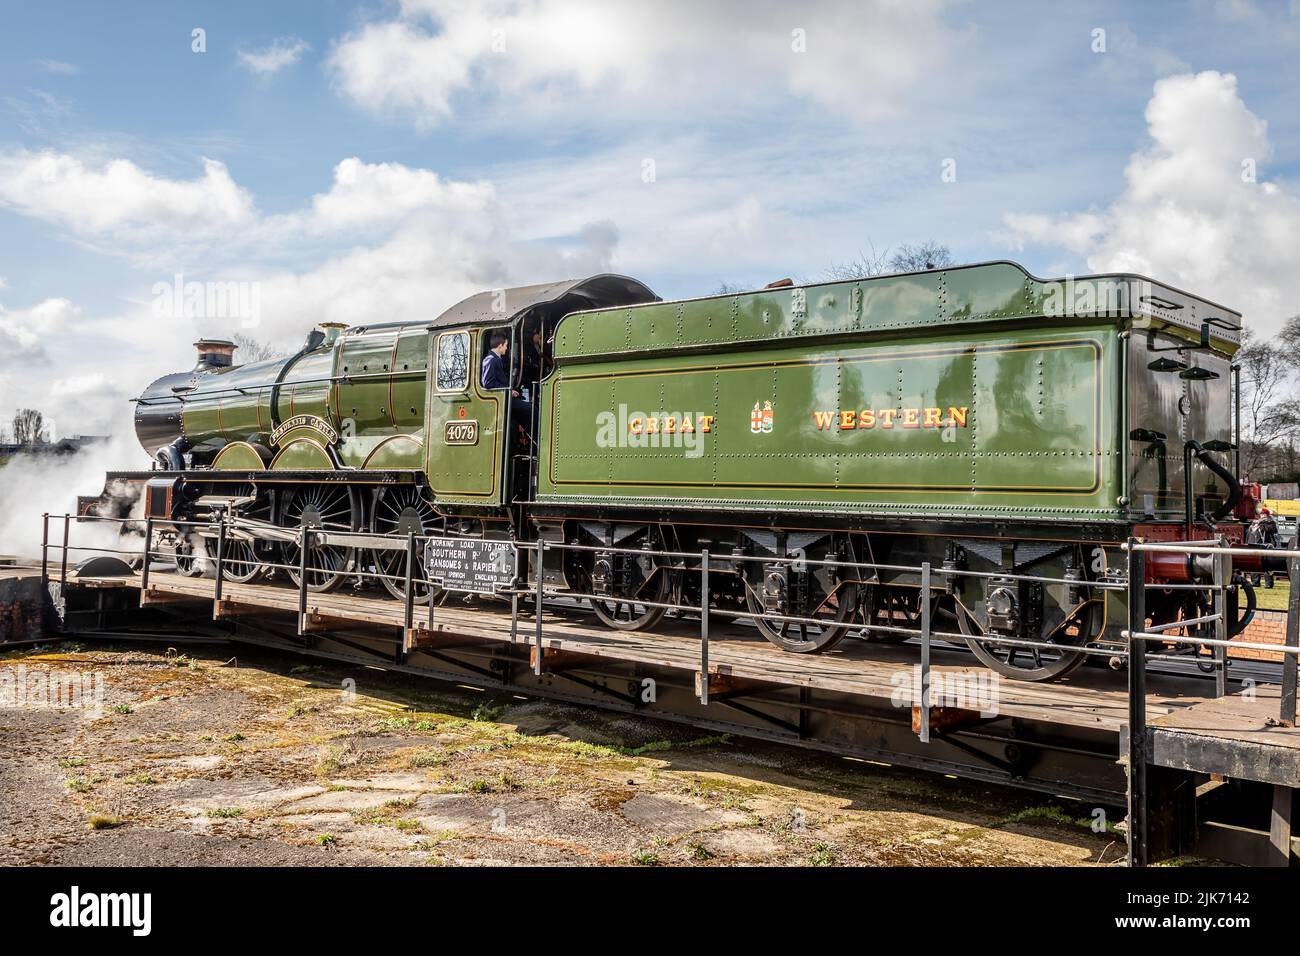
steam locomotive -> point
(977, 418)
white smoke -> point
(35, 484)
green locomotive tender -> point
(976, 418)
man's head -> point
(499, 342)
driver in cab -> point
(496, 376)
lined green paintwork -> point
(1037, 364)
(467, 474)
(369, 388)
(1034, 437)
(1046, 371)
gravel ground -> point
(267, 759)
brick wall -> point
(1268, 627)
(20, 621)
(21, 601)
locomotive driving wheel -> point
(245, 561)
(320, 508)
(403, 510)
(189, 554)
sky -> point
(378, 160)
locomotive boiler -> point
(830, 438)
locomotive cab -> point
(479, 452)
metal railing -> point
(1140, 634)
(1136, 639)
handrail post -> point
(704, 626)
(63, 565)
(1138, 850)
(45, 550)
(302, 579)
(221, 551)
(514, 601)
(148, 540)
(409, 617)
(1220, 629)
(1289, 664)
(925, 652)
(537, 570)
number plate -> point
(460, 433)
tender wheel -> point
(244, 561)
(893, 607)
(324, 508)
(635, 580)
(1082, 625)
(402, 510)
(833, 612)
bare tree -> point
(729, 288)
(250, 350)
(1288, 341)
(863, 266)
(919, 258)
(29, 427)
(1263, 375)
(907, 258)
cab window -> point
(453, 362)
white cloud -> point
(24, 332)
(59, 67)
(564, 58)
(119, 200)
(272, 59)
(365, 194)
(1190, 214)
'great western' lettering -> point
(847, 419)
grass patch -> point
(823, 855)
(120, 709)
(487, 713)
(142, 779)
(234, 738)
(103, 821)
(1053, 814)
(426, 758)
(224, 813)
(326, 839)
(1274, 598)
(389, 724)
(645, 858)
(329, 761)
(68, 762)
(77, 785)
(585, 749)
(699, 852)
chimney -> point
(214, 353)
